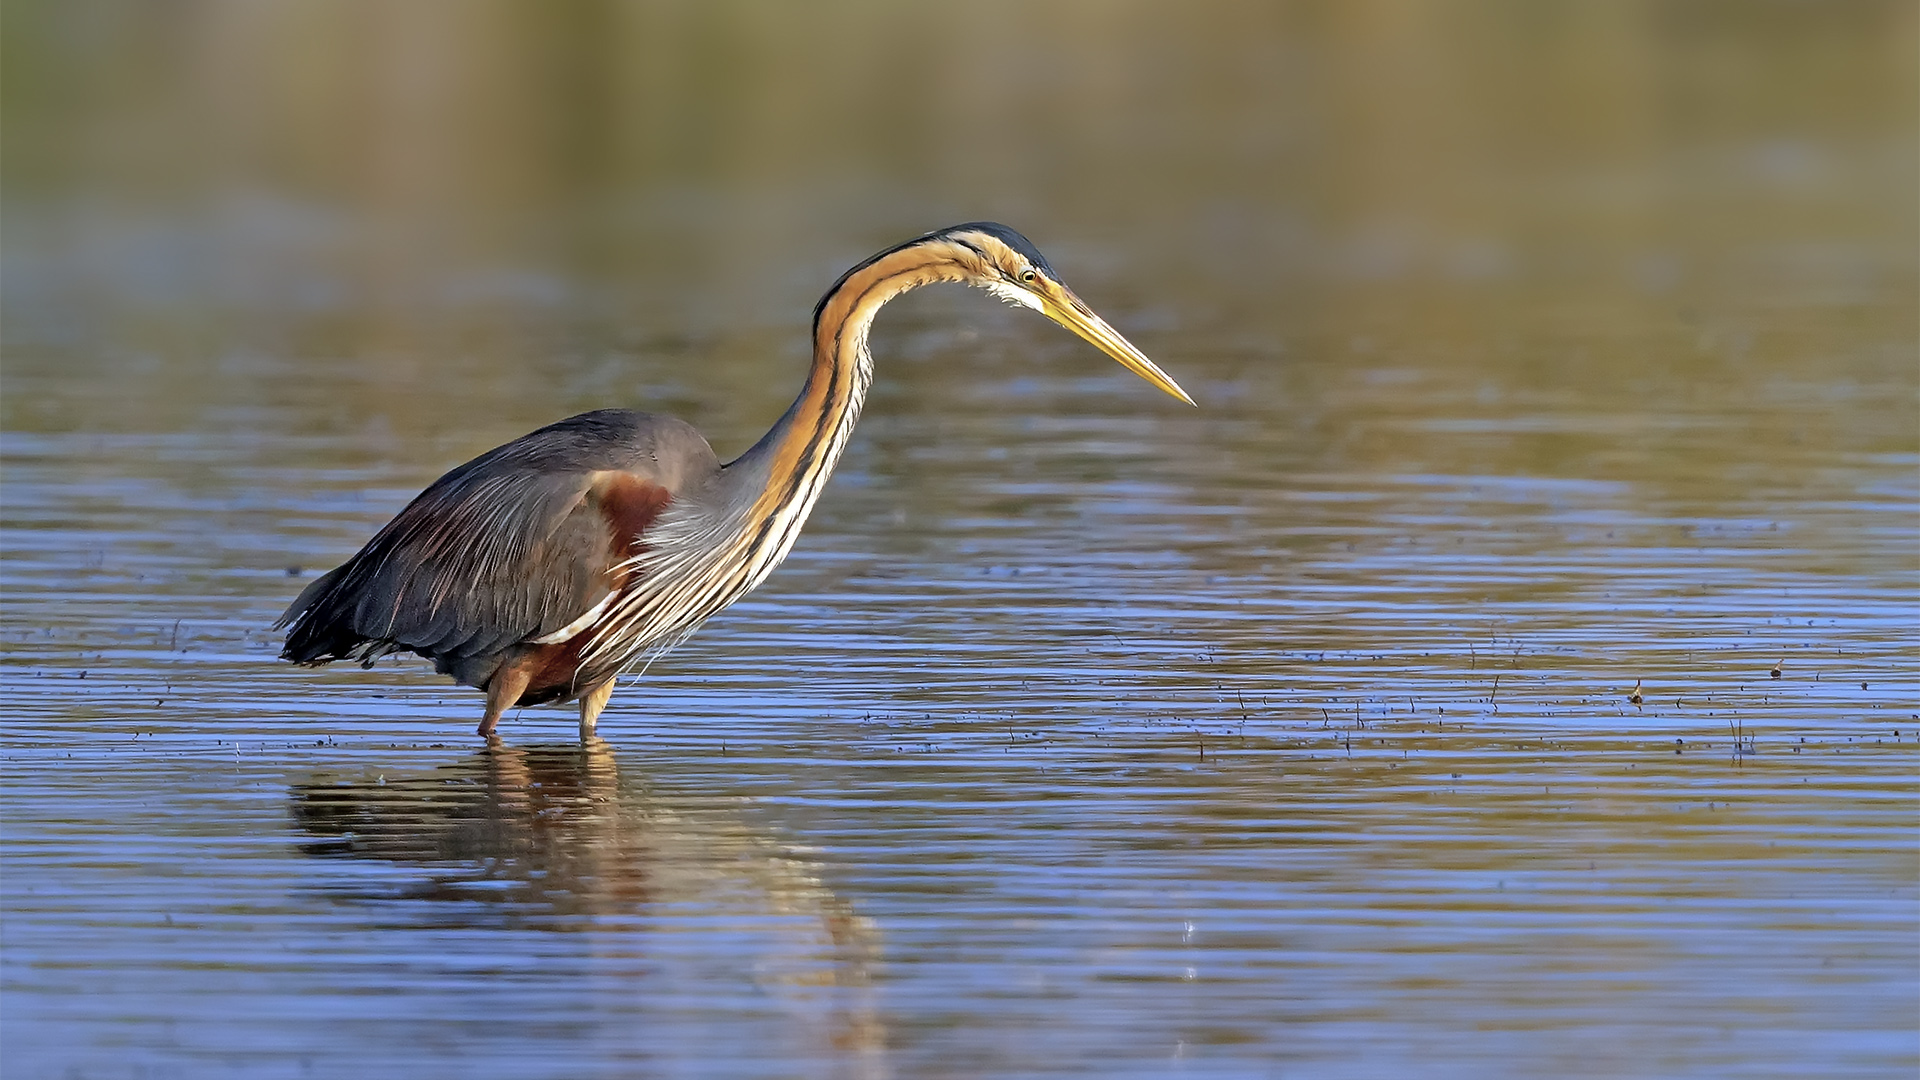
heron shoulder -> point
(662, 450)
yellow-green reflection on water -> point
(1543, 350)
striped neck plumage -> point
(701, 557)
(802, 449)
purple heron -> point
(541, 570)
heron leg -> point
(591, 703)
(505, 688)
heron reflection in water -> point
(541, 570)
(534, 825)
(698, 901)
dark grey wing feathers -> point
(497, 551)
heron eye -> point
(1027, 276)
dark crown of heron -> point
(992, 244)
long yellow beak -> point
(1060, 305)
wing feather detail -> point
(513, 547)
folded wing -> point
(513, 546)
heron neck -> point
(790, 465)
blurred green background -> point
(569, 205)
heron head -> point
(1007, 265)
